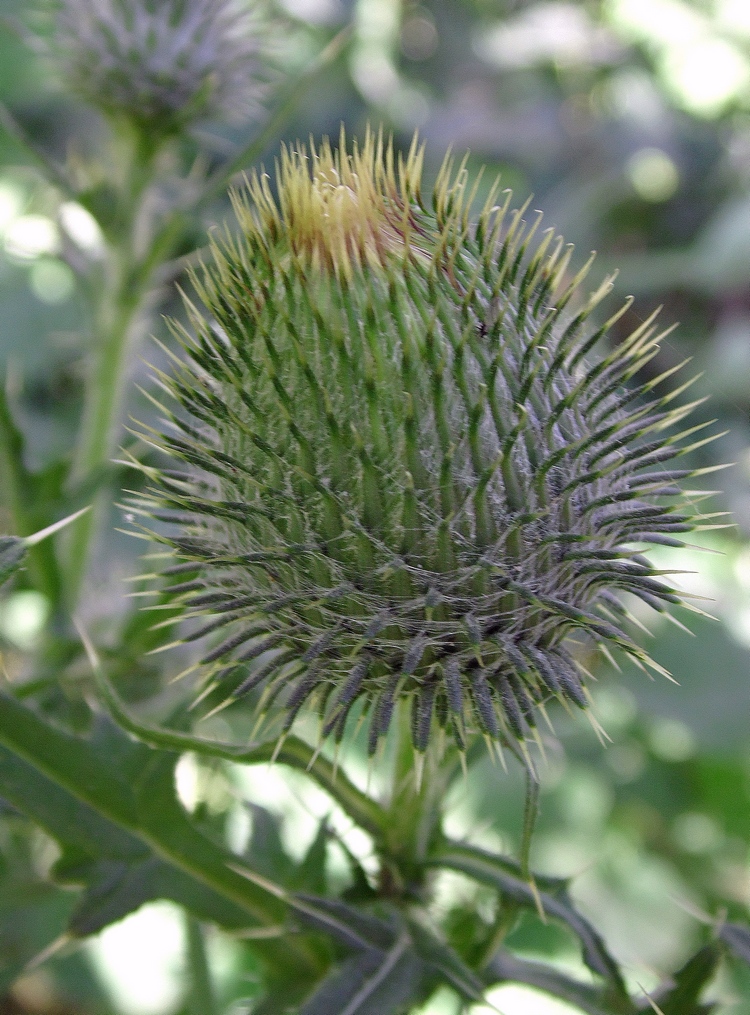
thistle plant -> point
(400, 467)
(405, 475)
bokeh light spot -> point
(707, 74)
(81, 227)
(419, 37)
(733, 16)
(671, 740)
(30, 236)
(51, 280)
(653, 174)
(151, 941)
(22, 618)
(511, 999)
(11, 202)
(696, 833)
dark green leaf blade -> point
(353, 928)
(116, 889)
(310, 875)
(737, 939)
(265, 852)
(113, 799)
(70, 821)
(12, 555)
(371, 983)
(117, 871)
(689, 983)
(444, 960)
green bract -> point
(401, 470)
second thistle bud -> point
(403, 471)
(162, 63)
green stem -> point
(12, 470)
(120, 300)
(530, 813)
(414, 809)
(99, 426)
(404, 804)
(200, 999)
(103, 402)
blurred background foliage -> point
(629, 122)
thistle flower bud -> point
(162, 63)
(403, 470)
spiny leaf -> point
(690, 982)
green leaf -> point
(737, 939)
(689, 983)
(201, 994)
(340, 986)
(110, 800)
(116, 889)
(33, 911)
(12, 554)
(310, 876)
(445, 961)
(353, 928)
(66, 818)
(118, 871)
(370, 983)
(265, 852)
(30, 499)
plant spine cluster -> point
(401, 467)
(162, 63)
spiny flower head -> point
(402, 471)
(162, 63)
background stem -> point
(120, 319)
(100, 425)
(201, 999)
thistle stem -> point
(530, 814)
(201, 999)
(99, 427)
(295, 753)
(13, 472)
(122, 299)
